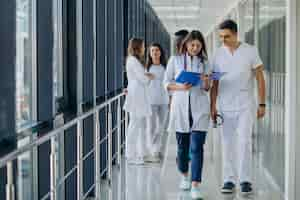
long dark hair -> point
(149, 62)
(195, 35)
(134, 48)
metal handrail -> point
(52, 135)
(15, 154)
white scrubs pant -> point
(156, 125)
(237, 145)
(136, 137)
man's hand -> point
(261, 91)
(205, 79)
(213, 113)
(261, 111)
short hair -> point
(181, 33)
(229, 24)
(179, 37)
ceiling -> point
(190, 14)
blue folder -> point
(216, 75)
(189, 77)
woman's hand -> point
(150, 75)
(179, 87)
(186, 86)
(206, 82)
(125, 90)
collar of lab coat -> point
(191, 63)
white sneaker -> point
(153, 159)
(136, 161)
(185, 183)
(196, 193)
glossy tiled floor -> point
(160, 181)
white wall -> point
(292, 102)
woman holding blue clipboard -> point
(190, 108)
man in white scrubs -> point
(234, 93)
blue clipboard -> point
(189, 77)
(216, 75)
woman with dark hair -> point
(190, 109)
(137, 102)
(159, 101)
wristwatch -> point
(262, 105)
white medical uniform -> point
(137, 103)
(159, 101)
(236, 101)
(179, 113)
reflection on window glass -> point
(247, 21)
(25, 89)
(57, 49)
(25, 173)
(270, 10)
(24, 63)
(272, 24)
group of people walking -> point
(153, 92)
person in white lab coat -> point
(137, 102)
(236, 99)
(190, 109)
(159, 101)
(179, 37)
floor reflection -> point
(160, 181)
(143, 182)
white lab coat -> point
(137, 103)
(137, 100)
(179, 113)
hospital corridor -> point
(149, 100)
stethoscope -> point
(185, 64)
(219, 121)
(219, 118)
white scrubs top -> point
(157, 92)
(236, 87)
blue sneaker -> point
(228, 188)
(246, 188)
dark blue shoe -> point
(246, 188)
(228, 188)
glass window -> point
(25, 64)
(272, 26)
(25, 88)
(57, 49)
(270, 10)
(246, 21)
(25, 173)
